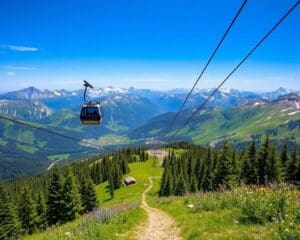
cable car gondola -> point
(91, 113)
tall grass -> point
(106, 214)
(107, 223)
(242, 213)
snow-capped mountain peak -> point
(32, 93)
(279, 92)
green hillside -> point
(246, 212)
(88, 228)
(25, 150)
(238, 124)
(225, 215)
(122, 225)
(141, 171)
(244, 123)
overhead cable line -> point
(50, 132)
(206, 65)
(238, 65)
(5, 138)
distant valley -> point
(133, 116)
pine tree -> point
(189, 167)
(142, 156)
(71, 204)
(163, 180)
(207, 182)
(215, 183)
(234, 175)
(41, 212)
(111, 186)
(273, 167)
(241, 157)
(27, 212)
(146, 156)
(167, 183)
(224, 168)
(284, 159)
(8, 222)
(124, 165)
(180, 188)
(246, 173)
(88, 195)
(298, 168)
(293, 168)
(117, 175)
(262, 161)
(105, 168)
(249, 172)
(199, 171)
(96, 173)
(55, 198)
(193, 184)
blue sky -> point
(146, 44)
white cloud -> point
(20, 68)
(144, 80)
(10, 74)
(19, 48)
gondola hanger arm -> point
(86, 85)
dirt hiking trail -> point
(159, 226)
(158, 153)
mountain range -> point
(133, 116)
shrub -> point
(253, 209)
(288, 231)
(207, 205)
(275, 207)
(105, 214)
(265, 205)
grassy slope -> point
(112, 139)
(27, 148)
(213, 224)
(89, 229)
(58, 157)
(2, 142)
(236, 123)
(141, 172)
(220, 224)
(235, 128)
(122, 225)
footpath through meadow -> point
(160, 226)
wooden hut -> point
(129, 181)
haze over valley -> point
(132, 117)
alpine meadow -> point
(150, 120)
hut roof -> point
(130, 179)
